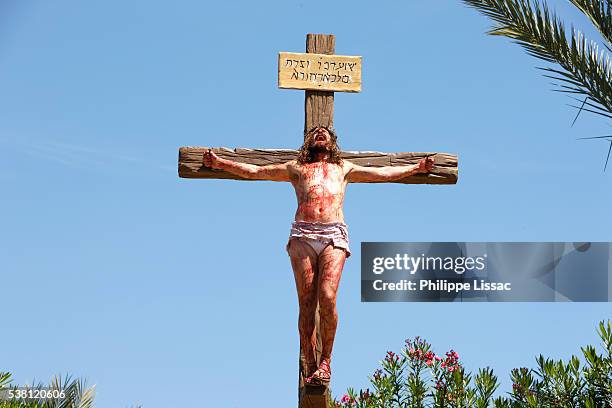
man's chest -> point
(320, 178)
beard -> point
(318, 149)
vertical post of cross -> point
(318, 111)
(319, 105)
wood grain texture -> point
(190, 162)
(319, 105)
(312, 397)
(319, 72)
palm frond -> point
(76, 391)
(587, 103)
(5, 379)
(579, 110)
(596, 137)
(591, 110)
(585, 66)
(600, 14)
(608, 156)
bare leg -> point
(304, 264)
(331, 263)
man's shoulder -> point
(346, 165)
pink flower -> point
(429, 363)
(346, 398)
(443, 364)
(438, 358)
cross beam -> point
(190, 163)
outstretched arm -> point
(273, 172)
(361, 174)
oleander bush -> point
(417, 377)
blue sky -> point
(170, 292)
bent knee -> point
(307, 299)
(327, 299)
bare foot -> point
(322, 376)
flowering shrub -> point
(417, 377)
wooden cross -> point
(320, 75)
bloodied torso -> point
(319, 188)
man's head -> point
(319, 139)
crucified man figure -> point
(318, 242)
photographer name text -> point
(440, 285)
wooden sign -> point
(319, 72)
